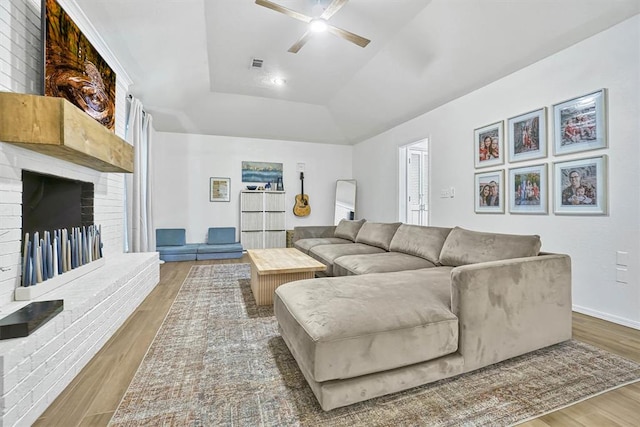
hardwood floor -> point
(95, 393)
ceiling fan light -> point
(318, 25)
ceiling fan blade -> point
(292, 13)
(335, 6)
(301, 42)
(353, 38)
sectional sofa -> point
(408, 305)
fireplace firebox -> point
(50, 202)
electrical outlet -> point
(300, 167)
(452, 192)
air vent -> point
(256, 63)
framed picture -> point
(528, 136)
(261, 172)
(488, 145)
(489, 192)
(528, 187)
(581, 186)
(73, 68)
(580, 124)
(219, 189)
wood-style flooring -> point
(95, 393)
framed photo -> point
(528, 136)
(489, 192)
(528, 186)
(488, 145)
(580, 124)
(581, 186)
(219, 189)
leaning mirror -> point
(345, 199)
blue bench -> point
(221, 244)
(172, 245)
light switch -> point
(622, 275)
(622, 258)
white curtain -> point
(139, 231)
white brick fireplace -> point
(35, 369)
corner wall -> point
(608, 60)
(183, 164)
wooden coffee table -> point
(271, 268)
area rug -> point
(218, 360)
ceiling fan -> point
(316, 24)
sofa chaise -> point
(427, 303)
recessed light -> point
(278, 81)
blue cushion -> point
(184, 249)
(224, 247)
(219, 235)
(178, 257)
(170, 237)
(222, 255)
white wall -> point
(184, 163)
(608, 60)
(20, 71)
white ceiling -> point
(190, 59)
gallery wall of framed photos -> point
(515, 171)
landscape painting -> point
(261, 172)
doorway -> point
(414, 178)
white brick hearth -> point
(34, 370)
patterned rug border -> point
(341, 416)
(153, 341)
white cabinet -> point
(262, 219)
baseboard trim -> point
(606, 316)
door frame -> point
(403, 160)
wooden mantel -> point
(55, 127)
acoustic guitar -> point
(302, 208)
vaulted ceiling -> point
(190, 60)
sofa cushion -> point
(378, 263)
(170, 237)
(344, 327)
(347, 229)
(219, 248)
(305, 245)
(217, 235)
(377, 234)
(464, 247)
(191, 248)
(425, 242)
(326, 254)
